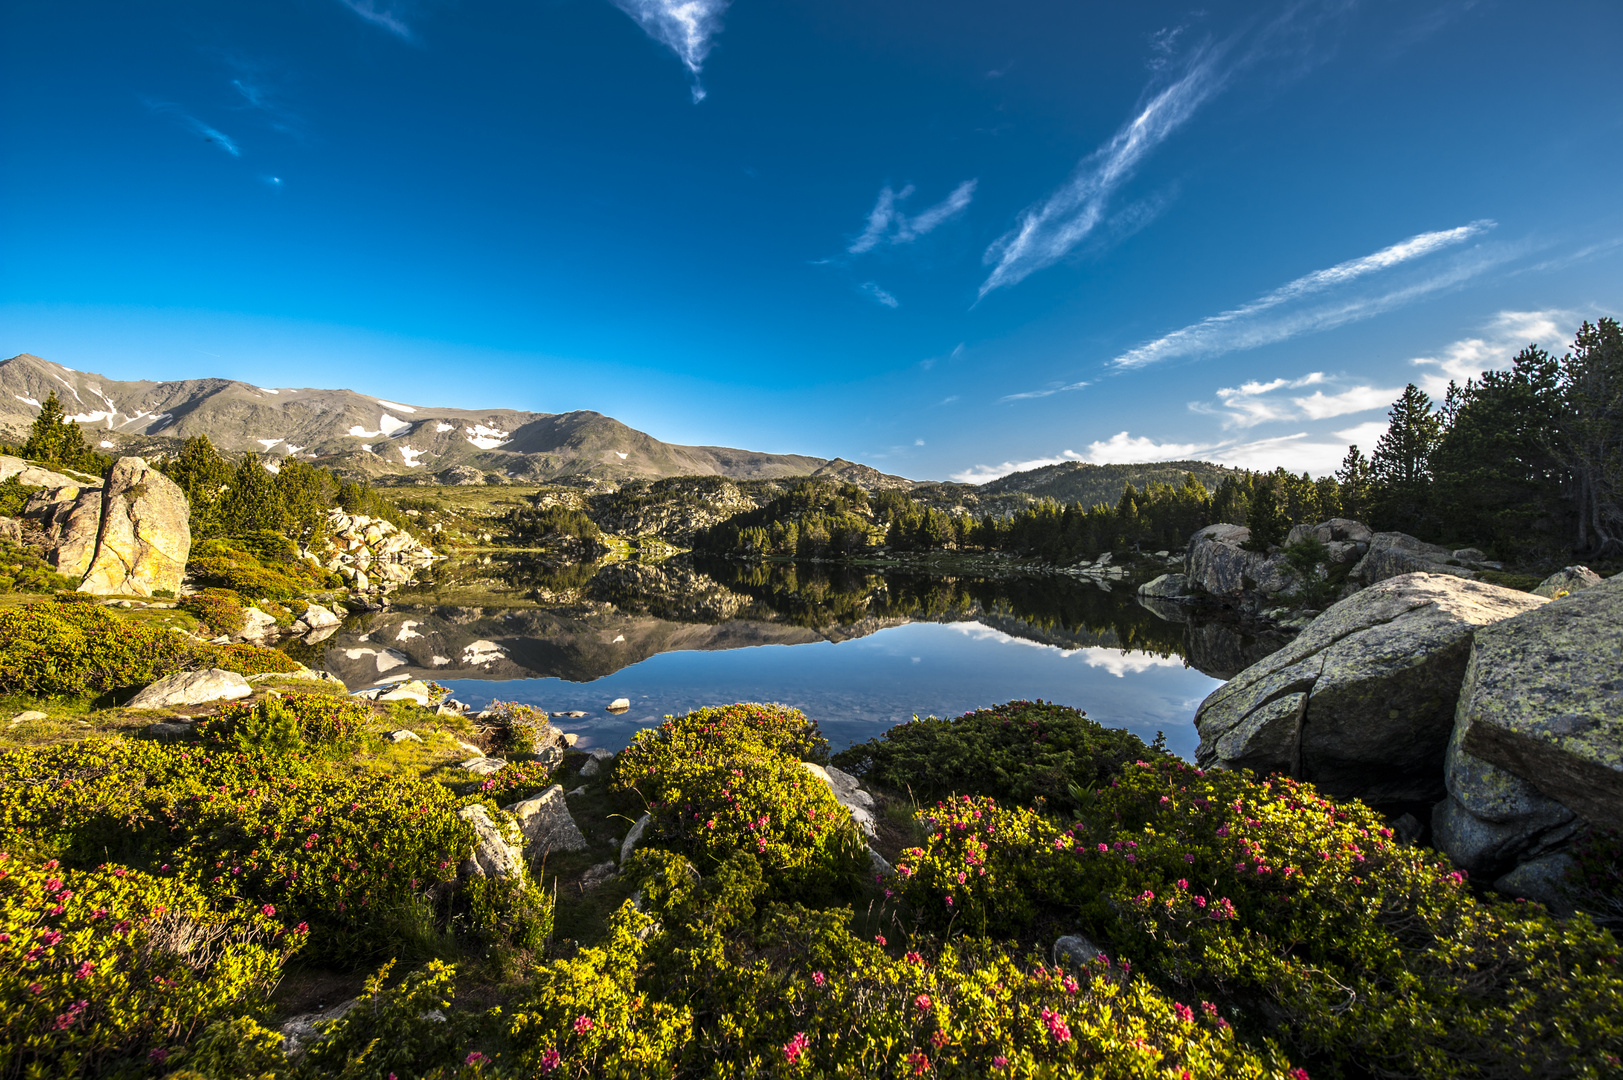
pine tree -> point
(204, 475)
(253, 504)
(56, 440)
(1590, 442)
(1353, 481)
(1267, 519)
(1402, 464)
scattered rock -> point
(1166, 587)
(413, 690)
(299, 1031)
(880, 865)
(594, 762)
(1395, 554)
(619, 704)
(404, 736)
(317, 617)
(1542, 880)
(1544, 700)
(576, 714)
(494, 855)
(258, 628)
(303, 674)
(145, 533)
(1362, 702)
(570, 738)
(1076, 949)
(546, 824)
(483, 766)
(575, 791)
(633, 837)
(27, 716)
(848, 793)
(1569, 580)
(597, 875)
(191, 688)
(470, 748)
(169, 730)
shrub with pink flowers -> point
(99, 968)
(1303, 915)
(723, 780)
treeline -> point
(244, 498)
(1526, 463)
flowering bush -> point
(1021, 751)
(99, 967)
(1302, 914)
(724, 780)
(243, 659)
(519, 780)
(219, 609)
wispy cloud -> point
(194, 125)
(1506, 334)
(258, 94)
(873, 292)
(889, 225)
(383, 15)
(1280, 314)
(1047, 231)
(1322, 406)
(683, 26)
(1253, 403)
(1365, 435)
(1049, 392)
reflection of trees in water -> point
(1057, 609)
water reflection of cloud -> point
(1115, 661)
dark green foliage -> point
(1268, 520)
(306, 493)
(1021, 751)
(1401, 465)
(57, 441)
(205, 476)
(1316, 582)
(253, 504)
(257, 565)
(538, 526)
(815, 519)
(1354, 479)
(1589, 443)
(13, 497)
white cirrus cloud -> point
(194, 125)
(1281, 314)
(889, 225)
(1322, 406)
(873, 292)
(1365, 435)
(380, 15)
(685, 27)
(1025, 395)
(1047, 231)
(1506, 334)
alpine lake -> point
(859, 649)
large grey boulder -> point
(258, 627)
(1165, 587)
(1362, 702)
(1571, 579)
(317, 617)
(494, 855)
(1334, 531)
(145, 533)
(1216, 563)
(1393, 554)
(547, 824)
(1544, 701)
(191, 688)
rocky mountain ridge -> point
(378, 437)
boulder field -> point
(1503, 709)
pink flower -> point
(920, 1063)
(1188, 858)
(473, 1058)
(85, 970)
(795, 1047)
(880, 938)
(922, 1003)
(1184, 1012)
(949, 901)
(914, 958)
(268, 909)
(583, 1024)
(1297, 1074)
(1183, 883)
(1000, 1062)
(818, 979)
(157, 1056)
(1057, 1027)
(549, 1062)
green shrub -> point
(100, 967)
(288, 722)
(261, 564)
(521, 727)
(220, 609)
(1302, 914)
(1021, 751)
(719, 781)
(243, 659)
(72, 647)
(22, 569)
(13, 496)
(384, 1033)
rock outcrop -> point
(1362, 703)
(372, 554)
(145, 533)
(1217, 564)
(1543, 700)
(191, 688)
(848, 792)
(494, 854)
(547, 824)
(1394, 554)
(1568, 580)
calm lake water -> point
(858, 651)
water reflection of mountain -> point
(581, 623)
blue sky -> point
(944, 238)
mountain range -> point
(378, 438)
